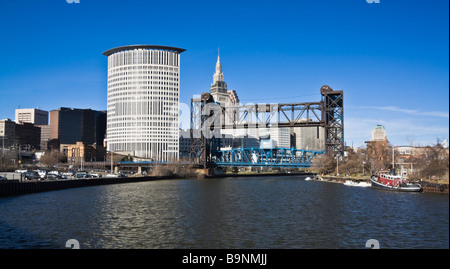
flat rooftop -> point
(133, 47)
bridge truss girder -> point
(328, 113)
(272, 115)
(257, 157)
(333, 116)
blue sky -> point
(391, 59)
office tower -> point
(143, 101)
(219, 90)
(378, 133)
(71, 125)
(31, 115)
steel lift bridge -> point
(208, 117)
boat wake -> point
(357, 184)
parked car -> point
(52, 176)
(82, 174)
(69, 174)
(95, 175)
(42, 173)
(116, 175)
(21, 171)
(57, 174)
(30, 175)
(3, 178)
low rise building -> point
(79, 152)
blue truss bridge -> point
(273, 157)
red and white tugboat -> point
(388, 181)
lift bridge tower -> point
(208, 117)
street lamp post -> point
(337, 165)
(111, 155)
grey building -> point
(7, 133)
(71, 125)
(45, 136)
(27, 136)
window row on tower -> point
(139, 71)
(143, 56)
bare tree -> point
(51, 158)
(325, 164)
(432, 161)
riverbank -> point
(428, 187)
(18, 187)
(14, 187)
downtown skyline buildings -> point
(390, 58)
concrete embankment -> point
(14, 187)
(427, 186)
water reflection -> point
(286, 212)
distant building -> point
(219, 90)
(281, 136)
(185, 143)
(378, 133)
(377, 146)
(308, 138)
(27, 136)
(234, 99)
(79, 152)
(219, 87)
(405, 151)
(226, 141)
(7, 133)
(45, 136)
(32, 115)
(23, 135)
(251, 137)
(71, 125)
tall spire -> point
(218, 76)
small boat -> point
(388, 181)
(308, 179)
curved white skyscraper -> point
(143, 101)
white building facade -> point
(31, 115)
(143, 101)
(378, 133)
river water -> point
(225, 213)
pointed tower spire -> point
(218, 76)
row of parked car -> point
(42, 174)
